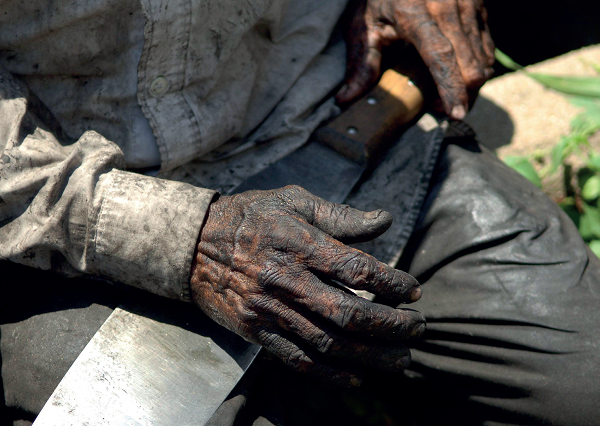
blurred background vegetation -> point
(573, 157)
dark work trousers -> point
(511, 296)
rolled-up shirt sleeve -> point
(69, 206)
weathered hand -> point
(265, 266)
(451, 36)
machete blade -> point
(147, 371)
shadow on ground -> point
(492, 124)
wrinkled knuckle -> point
(272, 276)
(359, 269)
(337, 215)
(443, 51)
(440, 9)
(351, 314)
(325, 344)
(328, 209)
(268, 338)
(255, 303)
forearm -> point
(67, 207)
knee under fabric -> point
(510, 292)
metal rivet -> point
(159, 86)
(352, 130)
(371, 100)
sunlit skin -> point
(264, 268)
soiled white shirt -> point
(213, 89)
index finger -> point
(454, 26)
(359, 270)
(439, 56)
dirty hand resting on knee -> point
(452, 37)
(268, 266)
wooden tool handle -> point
(378, 119)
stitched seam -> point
(182, 98)
(142, 91)
(420, 194)
(421, 191)
(99, 224)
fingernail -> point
(459, 112)
(418, 330)
(415, 294)
(402, 363)
(373, 215)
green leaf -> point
(583, 175)
(560, 151)
(586, 227)
(505, 60)
(568, 206)
(593, 65)
(591, 189)
(594, 162)
(570, 85)
(579, 123)
(524, 167)
(595, 247)
(589, 223)
(589, 121)
(590, 104)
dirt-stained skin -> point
(268, 263)
(452, 37)
(265, 266)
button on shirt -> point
(210, 92)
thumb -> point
(363, 67)
(362, 76)
(350, 225)
(342, 222)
